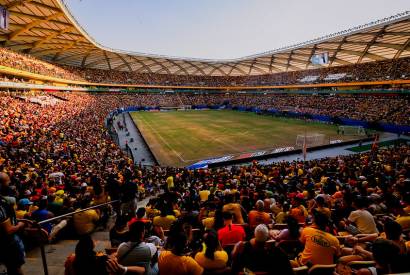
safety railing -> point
(43, 240)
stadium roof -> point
(46, 29)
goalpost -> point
(176, 108)
(351, 130)
(311, 140)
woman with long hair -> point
(85, 260)
(218, 219)
(290, 233)
(212, 256)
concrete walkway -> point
(56, 254)
(139, 150)
(330, 152)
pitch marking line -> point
(178, 154)
(225, 143)
(163, 140)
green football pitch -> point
(180, 138)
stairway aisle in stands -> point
(57, 253)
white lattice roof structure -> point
(47, 30)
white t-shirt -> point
(364, 221)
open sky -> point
(221, 29)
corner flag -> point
(304, 148)
(375, 143)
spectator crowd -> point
(391, 109)
(31, 64)
(278, 218)
(371, 71)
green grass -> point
(368, 147)
(180, 138)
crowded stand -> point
(372, 108)
(5, 78)
(312, 178)
(371, 71)
(278, 218)
(31, 64)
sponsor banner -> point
(244, 156)
(205, 163)
(281, 150)
(258, 154)
(336, 141)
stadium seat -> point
(341, 239)
(35, 235)
(255, 273)
(270, 243)
(225, 271)
(195, 231)
(344, 233)
(302, 270)
(111, 250)
(279, 226)
(356, 265)
(291, 248)
(229, 248)
(322, 269)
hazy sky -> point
(221, 28)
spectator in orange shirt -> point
(298, 211)
(258, 216)
(235, 208)
(321, 206)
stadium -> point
(290, 161)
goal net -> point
(351, 130)
(311, 140)
(176, 108)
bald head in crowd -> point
(259, 205)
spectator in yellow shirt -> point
(23, 208)
(170, 183)
(234, 208)
(174, 262)
(212, 257)
(320, 246)
(204, 194)
(85, 222)
(165, 221)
